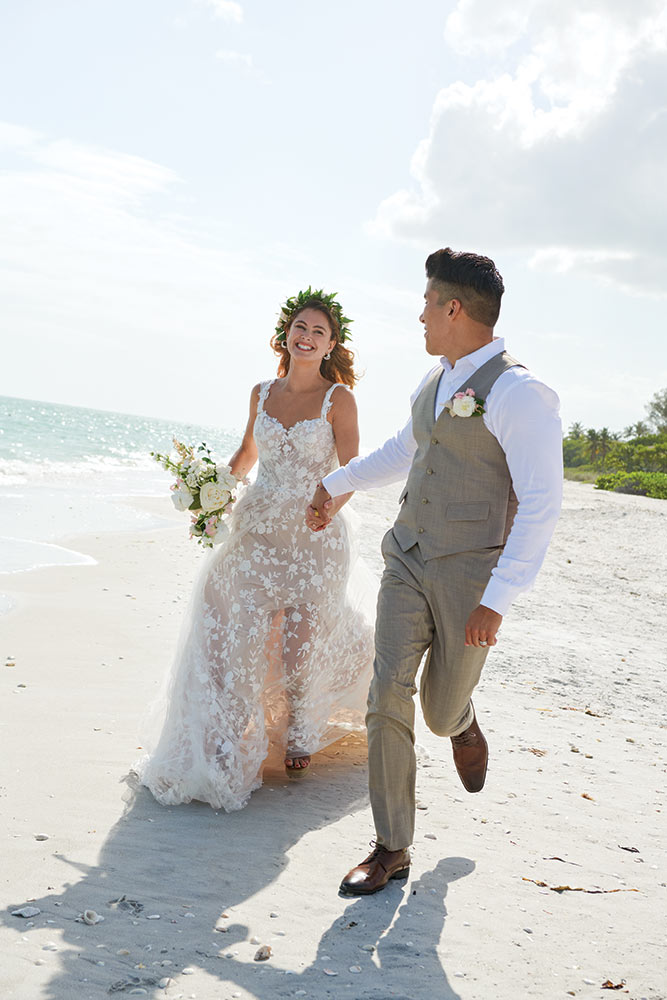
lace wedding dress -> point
(276, 651)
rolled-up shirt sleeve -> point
(525, 420)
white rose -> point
(181, 498)
(463, 406)
(212, 497)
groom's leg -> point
(454, 586)
(404, 630)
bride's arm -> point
(345, 425)
(245, 455)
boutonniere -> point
(465, 404)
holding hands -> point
(323, 507)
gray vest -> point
(459, 493)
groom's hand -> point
(482, 627)
(318, 511)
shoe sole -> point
(350, 891)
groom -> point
(482, 452)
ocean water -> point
(70, 470)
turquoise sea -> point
(69, 470)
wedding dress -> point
(277, 647)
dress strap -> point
(263, 392)
(326, 403)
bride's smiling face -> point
(310, 336)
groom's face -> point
(436, 318)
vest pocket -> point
(477, 510)
(403, 495)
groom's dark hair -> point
(470, 278)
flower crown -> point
(297, 302)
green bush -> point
(581, 473)
(645, 484)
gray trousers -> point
(422, 605)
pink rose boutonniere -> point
(465, 404)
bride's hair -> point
(338, 368)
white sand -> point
(572, 701)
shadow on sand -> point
(191, 860)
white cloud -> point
(227, 10)
(231, 58)
(562, 153)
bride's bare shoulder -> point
(343, 402)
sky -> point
(172, 170)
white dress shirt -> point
(523, 415)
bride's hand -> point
(317, 512)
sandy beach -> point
(550, 883)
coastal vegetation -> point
(631, 461)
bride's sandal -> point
(297, 767)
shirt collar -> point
(469, 363)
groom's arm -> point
(387, 464)
(525, 420)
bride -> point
(276, 651)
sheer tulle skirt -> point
(275, 655)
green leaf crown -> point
(297, 302)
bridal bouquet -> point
(202, 487)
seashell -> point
(430, 836)
(190, 915)
(90, 917)
(26, 912)
(274, 915)
(41, 836)
(123, 951)
(355, 968)
(254, 940)
(263, 953)
(153, 916)
(329, 972)
(188, 972)
(50, 946)
(165, 981)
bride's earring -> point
(327, 356)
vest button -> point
(429, 472)
(420, 531)
(434, 440)
(424, 500)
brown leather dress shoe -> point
(378, 868)
(471, 754)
